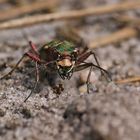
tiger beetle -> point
(65, 57)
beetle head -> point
(66, 63)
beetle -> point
(63, 57)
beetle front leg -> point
(30, 55)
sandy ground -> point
(109, 112)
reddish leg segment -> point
(33, 47)
(33, 57)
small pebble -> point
(83, 89)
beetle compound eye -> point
(74, 56)
(59, 57)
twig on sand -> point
(74, 14)
(25, 9)
(128, 80)
(115, 37)
(70, 33)
(127, 19)
(2, 1)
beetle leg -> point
(30, 55)
(33, 57)
(97, 62)
(88, 79)
(84, 56)
(9, 73)
(82, 67)
(91, 65)
(86, 65)
(36, 82)
(33, 47)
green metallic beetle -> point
(60, 56)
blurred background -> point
(111, 29)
